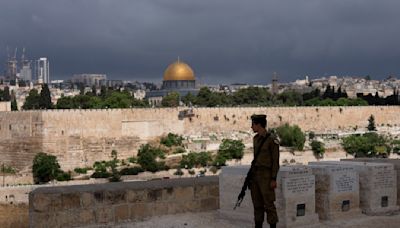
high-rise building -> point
(26, 70)
(43, 70)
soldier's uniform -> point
(265, 169)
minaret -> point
(274, 88)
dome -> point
(178, 71)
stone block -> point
(104, 215)
(295, 196)
(168, 194)
(378, 192)
(41, 202)
(99, 197)
(200, 191)
(184, 193)
(213, 190)
(115, 197)
(121, 212)
(336, 191)
(86, 217)
(70, 201)
(87, 200)
(136, 196)
(209, 204)
(140, 211)
(159, 208)
(154, 195)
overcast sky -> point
(225, 41)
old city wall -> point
(80, 137)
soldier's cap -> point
(258, 118)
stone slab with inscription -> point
(295, 196)
(395, 162)
(336, 191)
(378, 186)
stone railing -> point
(118, 203)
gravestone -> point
(336, 191)
(395, 162)
(378, 193)
(295, 196)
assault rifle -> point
(248, 177)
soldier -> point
(263, 179)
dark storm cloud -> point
(223, 40)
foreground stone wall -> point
(14, 215)
(80, 137)
(117, 203)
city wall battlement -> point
(80, 137)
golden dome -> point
(178, 71)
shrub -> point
(311, 135)
(291, 136)
(195, 160)
(371, 123)
(231, 149)
(367, 145)
(214, 170)
(100, 170)
(81, 170)
(219, 161)
(191, 172)
(132, 159)
(318, 148)
(7, 169)
(172, 140)
(63, 176)
(179, 150)
(45, 168)
(396, 146)
(149, 158)
(178, 172)
(131, 171)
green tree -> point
(252, 96)
(291, 136)
(6, 94)
(172, 140)
(45, 168)
(118, 100)
(371, 123)
(189, 99)
(32, 101)
(45, 98)
(151, 158)
(318, 148)
(115, 176)
(14, 106)
(171, 100)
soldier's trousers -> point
(263, 197)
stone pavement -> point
(212, 220)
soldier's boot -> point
(259, 224)
(272, 225)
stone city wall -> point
(80, 137)
(118, 203)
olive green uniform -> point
(265, 169)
